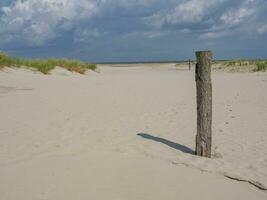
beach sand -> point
(129, 133)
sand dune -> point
(129, 133)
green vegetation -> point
(261, 66)
(243, 65)
(45, 66)
(240, 62)
(240, 65)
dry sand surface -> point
(129, 133)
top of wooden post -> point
(204, 62)
(201, 54)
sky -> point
(133, 30)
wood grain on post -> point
(204, 103)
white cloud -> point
(191, 11)
(231, 20)
(35, 22)
(214, 35)
(38, 21)
(263, 29)
(214, 19)
(128, 3)
(83, 35)
(154, 34)
(234, 17)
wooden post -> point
(204, 103)
(189, 64)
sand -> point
(129, 133)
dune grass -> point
(242, 65)
(241, 62)
(46, 65)
(261, 66)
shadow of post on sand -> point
(169, 143)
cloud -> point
(263, 29)
(38, 21)
(232, 20)
(235, 17)
(83, 35)
(210, 19)
(187, 12)
(214, 35)
(127, 3)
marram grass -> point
(261, 66)
(46, 65)
(258, 65)
(240, 65)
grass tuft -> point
(45, 66)
(261, 66)
(240, 62)
(242, 65)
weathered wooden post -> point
(189, 64)
(204, 103)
